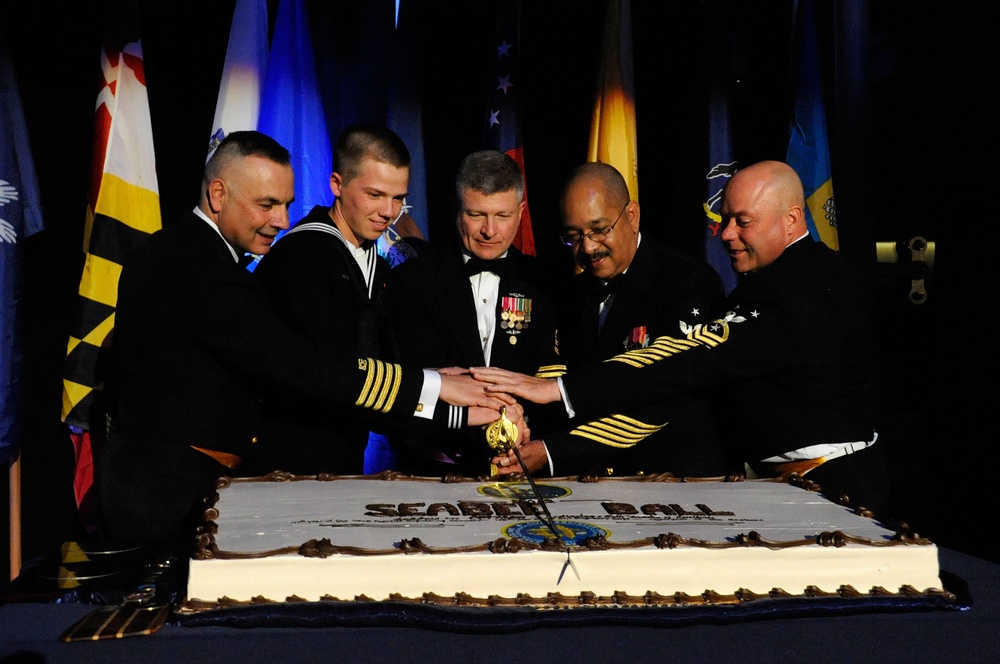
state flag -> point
(20, 217)
(808, 141)
(123, 208)
(238, 104)
(721, 164)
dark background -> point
(909, 135)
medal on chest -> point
(515, 315)
(638, 339)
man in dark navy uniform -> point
(795, 351)
(327, 282)
(630, 290)
(197, 344)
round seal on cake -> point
(572, 532)
(523, 490)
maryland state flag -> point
(613, 138)
(123, 208)
(808, 145)
(503, 114)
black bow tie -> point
(500, 266)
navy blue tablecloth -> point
(963, 631)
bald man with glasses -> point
(630, 290)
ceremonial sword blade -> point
(548, 520)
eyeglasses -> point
(594, 235)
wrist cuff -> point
(451, 417)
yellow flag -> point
(612, 128)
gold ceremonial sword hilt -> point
(501, 436)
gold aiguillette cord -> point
(502, 436)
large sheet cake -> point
(648, 541)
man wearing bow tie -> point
(630, 290)
(476, 304)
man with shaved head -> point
(762, 214)
(197, 344)
(794, 354)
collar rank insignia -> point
(515, 315)
(638, 339)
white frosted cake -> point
(637, 541)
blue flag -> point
(404, 116)
(721, 160)
(291, 108)
(808, 145)
(20, 217)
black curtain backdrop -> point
(908, 119)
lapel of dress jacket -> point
(459, 306)
(627, 305)
(203, 234)
(578, 322)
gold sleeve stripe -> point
(551, 371)
(612, 433)
(664, 347)
(381, 386)
(376, 396)
(603, 440)
(632, 424)
(397, 380)
(390, 387)
(616, 431)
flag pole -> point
(15, 517)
